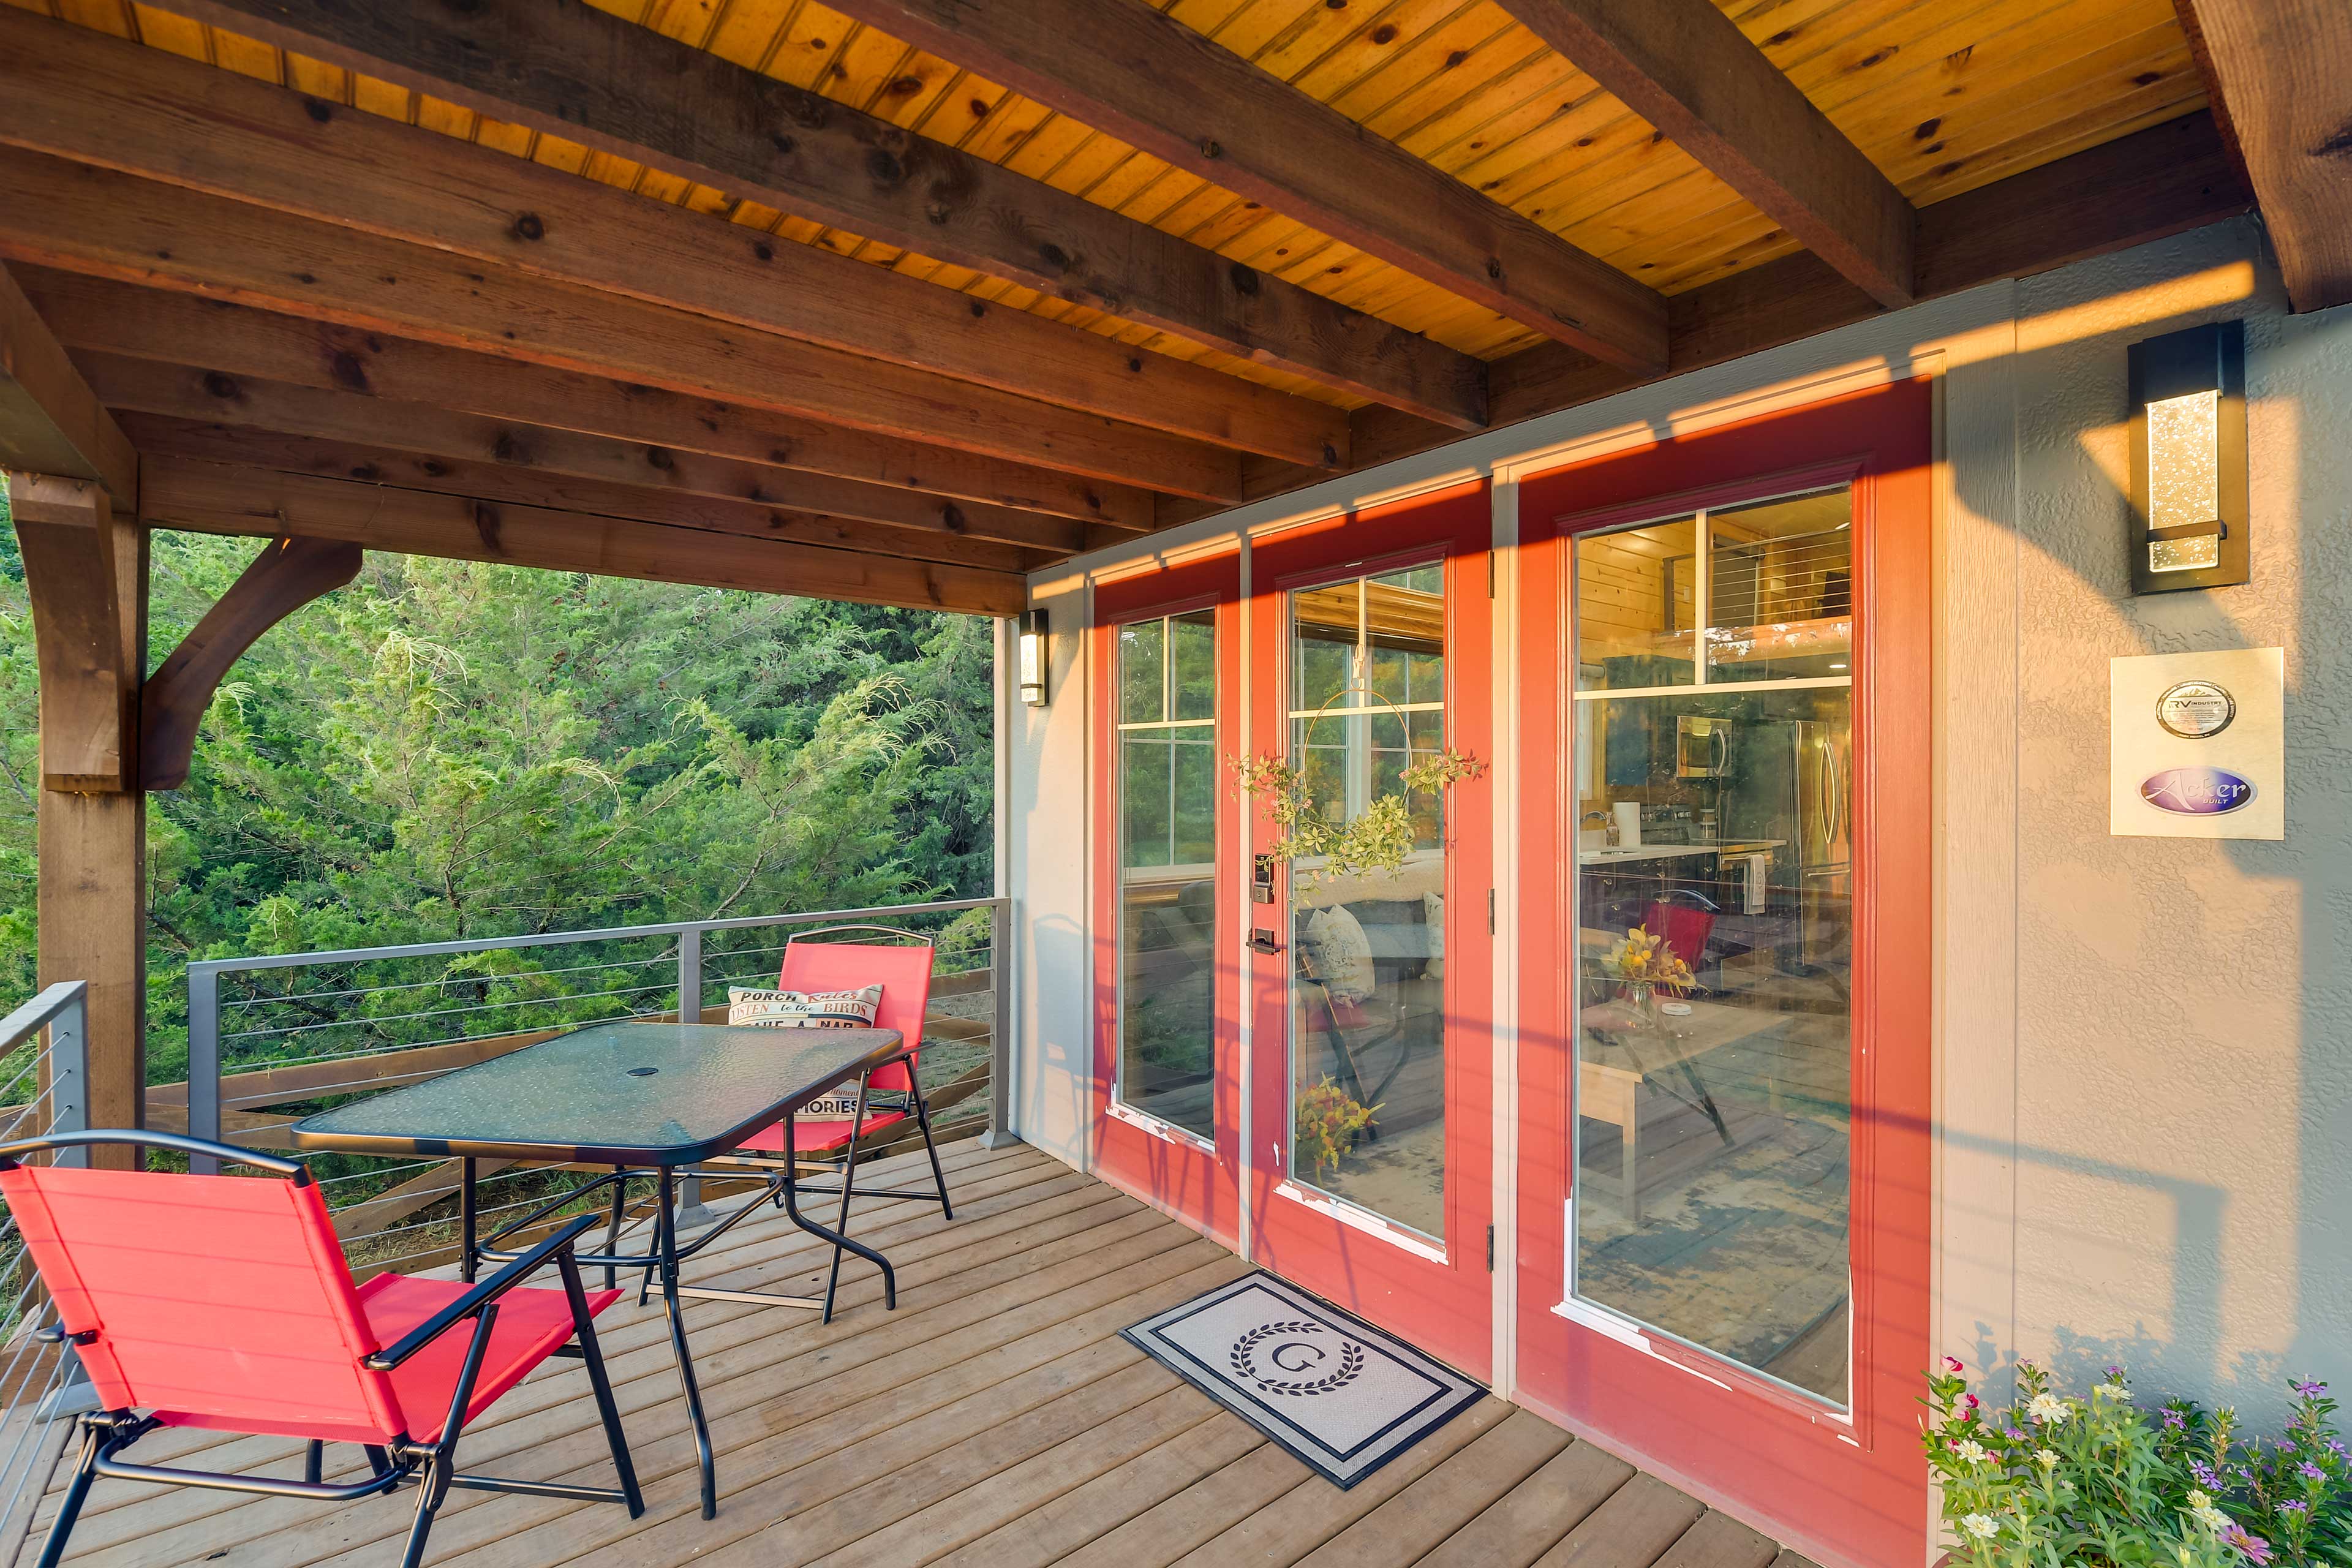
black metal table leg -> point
(792, 1209)
(665, 1249)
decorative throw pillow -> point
(809, 1010)
(802, 1009)
(1343, 954)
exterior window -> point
(1713, 771)
(1367, 1017)
(1167, 761)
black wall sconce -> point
(2188, 484)
(1036, 658)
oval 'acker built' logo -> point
(2196, 792)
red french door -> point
(1166, 661)
(1724, 1200)
(1371, 993)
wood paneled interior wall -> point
(1943, 95)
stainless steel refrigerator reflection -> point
(1789, 781)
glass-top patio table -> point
(652, 1100)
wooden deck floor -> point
(996, 1419)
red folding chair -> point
(903, 970)
(224, 1303)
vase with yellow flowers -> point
(1643, 965)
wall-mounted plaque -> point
(2199, 746)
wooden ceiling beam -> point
(1123, 67)
(1685, 67)
(2282, 72)
(213, 397)
(97, 315)
(50, 420)
(2142, 187)
(220, 498)
(573, 71)
(85, 219)
(78, 94)
(370, 463)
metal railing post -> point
(69, 1072)
(1000, 1031)
(691, 1210)
(203, 1064)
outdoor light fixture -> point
(1035, 657)
(2189, 490)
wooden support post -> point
(85, 573)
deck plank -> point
(1634, 1528)
(1719, 1541)
(1410, 1524)
(1313, 1511)
(1058, 1530)
(995, 1420)
(1527, 1520)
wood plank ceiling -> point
(738, 331)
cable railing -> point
(272, 1039)
(44, 1088)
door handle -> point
(1262, 941)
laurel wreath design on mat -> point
(1243, 1357)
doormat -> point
(1339, 1395)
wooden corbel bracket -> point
(288, 575)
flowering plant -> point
(1374, 841)
(2101, 1482)
(1328, 1120)
(1642, 958)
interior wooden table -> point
(649, 1100)
(1619, 1051)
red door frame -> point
(1165, 1168)
(1444, 1308)
(1845, 1493)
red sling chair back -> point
(903, 970)
(225, 1302)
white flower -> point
(2045, 1459)
(2110, 1391)
(1981, 1525)
(2048, 1407)
(2201, 1509)
(1972, 1451)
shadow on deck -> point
(996, 1419)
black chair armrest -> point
(482, 1294)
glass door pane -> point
(1167, 795)
(1714, 954)
(1367, 1014)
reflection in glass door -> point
(1166, 777)
(1714, 948)
(1367, 1013)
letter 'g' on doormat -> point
(1336, 1392)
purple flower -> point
(2172, 1422)
(2255, 1548)
(2336, 1447)
(2311, 1472)
(2115, 1372)
(2204, 1472)
(2286, 1447)
(2294, 1505)
(2311, 1388)
(2016, 1436)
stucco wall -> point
(2184, 1042)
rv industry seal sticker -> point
(2194, 710)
